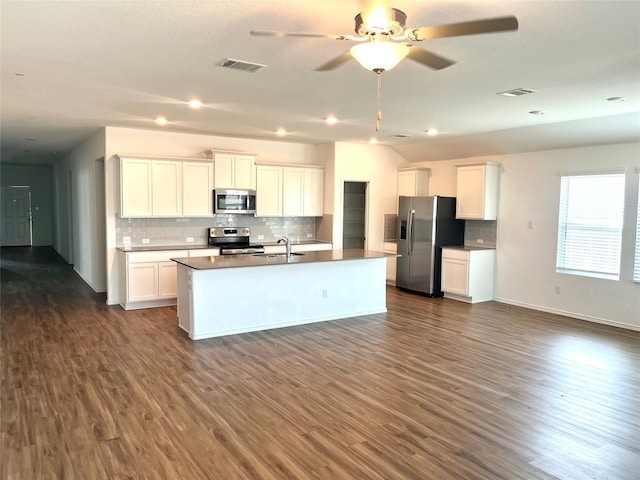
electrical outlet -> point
(309, 235)
(189, 239)
(557, 288)
(145, 240)
(126, 240)
(260, 237)
(530, 225)
(325, 293)
(480, 241)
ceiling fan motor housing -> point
(395, 21)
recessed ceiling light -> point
(161, 121)
(195, 103)
(616, 99)
(537, 112)
(431, 132)
(331, 120)
(281, 132)
(373, 141)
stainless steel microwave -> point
(234, 201)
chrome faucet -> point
(287, 245)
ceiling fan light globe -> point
(379, 56)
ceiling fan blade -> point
(259, 33)
(334, 63)
(499, 24)
(428, 59)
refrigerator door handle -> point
(410, 215)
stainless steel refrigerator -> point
(425, 225)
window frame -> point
(598, 229)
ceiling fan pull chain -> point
(379, 117)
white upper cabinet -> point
(290, 191)
(477, 191)
(235, 171)
(135, 188)
(413, 182)
(165, 187)
(268, 191)
(313, 194)
(197, 189)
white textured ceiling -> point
(90, 64)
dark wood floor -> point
(434, 389)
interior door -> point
(16, 216)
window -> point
(590, 225)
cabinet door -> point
(167, 279)
(313, 203)
(406, 184)
(455, 276)
(142, 282)
(135, 188)
(269, 191)
(245, 172)
(166, 181)
(223, 167)
(470, 192)
(292, 192)
(197, 189)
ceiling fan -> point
(384, 40)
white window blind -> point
(636, 262)
(590, 225)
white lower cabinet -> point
(468, 273)
(391, 247)
(142, 282)
(151, 277)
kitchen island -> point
(232, 294)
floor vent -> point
(516, 92)
(241, 65)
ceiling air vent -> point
(516, 92)
(241, 65)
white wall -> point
(366, 163)
(162, 143)
(87, 244)
(529, 192)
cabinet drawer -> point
(455, 253)
(204, 252)
(155, 256)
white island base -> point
(214, 302)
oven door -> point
(234, 201)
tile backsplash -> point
(485, 230)
(176, 231)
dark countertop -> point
(293, 242)
(468, 247)
(234, 261)
(164, 248)
(191, 246)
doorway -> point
(354, 215)
(16, 217)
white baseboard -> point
(564, 313)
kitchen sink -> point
(276, 255)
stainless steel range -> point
(233, 240)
